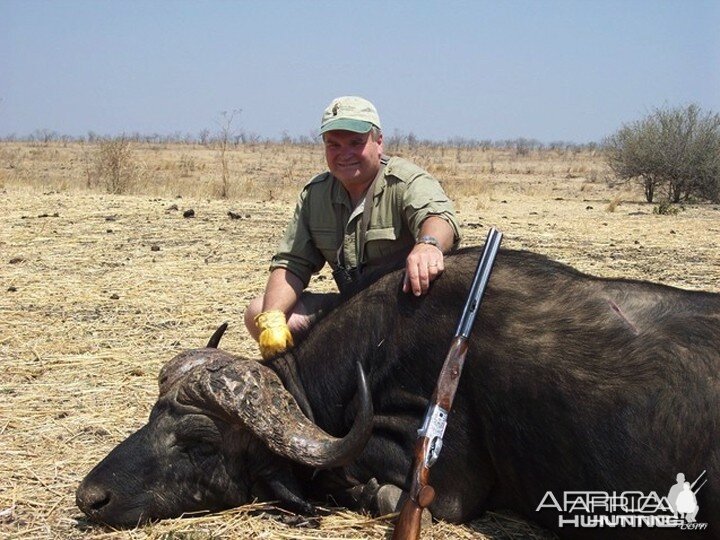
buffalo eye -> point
(198, 437)
(199, 451)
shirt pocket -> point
(381, 242)
(326, 240)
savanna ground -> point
(97, 291)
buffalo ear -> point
(288, 493)
(278, 482)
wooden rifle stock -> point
(430, 435)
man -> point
(361, 216)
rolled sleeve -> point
(297, 252)
(425, 197)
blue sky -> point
(550, 70)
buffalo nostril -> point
(93, 499)
(98, 504)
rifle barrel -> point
(477, 289)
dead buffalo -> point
(571, 383)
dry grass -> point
(97, 291)
(194, 171)
(274, 171)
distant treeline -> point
(395, 141)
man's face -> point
(353, 158)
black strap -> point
(367, 210)
(365, 223)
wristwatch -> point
(427, 239)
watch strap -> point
(427, 239)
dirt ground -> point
(97, 291)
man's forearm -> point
(439, 228)
(282, 290)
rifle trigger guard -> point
(433, 451)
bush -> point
(665, 208)
(675, 150)
(115, 167)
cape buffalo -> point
(571, 383)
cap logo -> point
(335, 109)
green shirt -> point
(324, 218)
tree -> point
(673, 149)
(224, 138)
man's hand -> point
(275, 336)
(422, 266)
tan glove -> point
(275, 336)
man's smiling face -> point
(353, 158)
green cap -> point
(350, 113)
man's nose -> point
(347, 151)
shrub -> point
(665, 208)
(115, 167)
(186, 165)
(676, 150)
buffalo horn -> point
(184, 363)
(217, 336)
(251, 393)
(181, 365)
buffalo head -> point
(223, 432)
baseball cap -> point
(350, 113)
